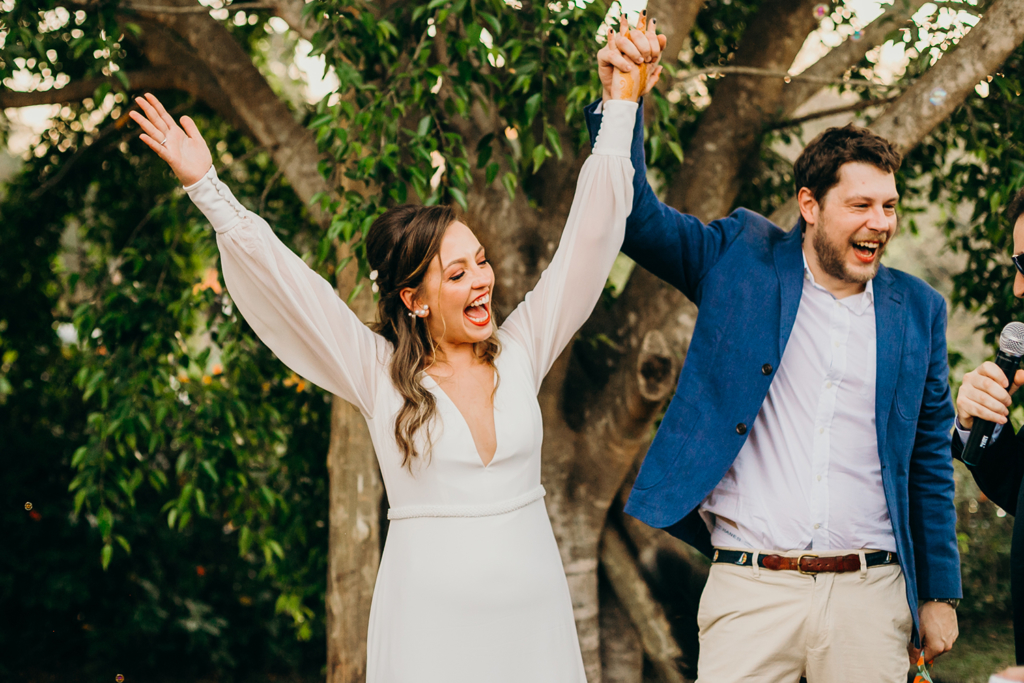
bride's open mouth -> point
(479, 312)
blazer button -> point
(766, 369)
(741, 429)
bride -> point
(471, 586)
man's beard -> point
(832, 258)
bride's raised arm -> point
(293, 310)
(571, 285)
(545, 322)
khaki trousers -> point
(776, 626)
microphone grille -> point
(1011, 341)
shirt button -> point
(828, 385)
(741, 429)
(817, 526)
(819, 477)
(838, 345)
(766, 369)
(821, 430)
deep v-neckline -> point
(465, 422)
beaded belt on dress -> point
(479, 510)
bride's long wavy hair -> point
(400, 246)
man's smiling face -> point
(851, 226)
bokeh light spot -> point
(938, 96)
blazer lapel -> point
(889, 323)
(789, 264)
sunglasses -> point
(1018, 261)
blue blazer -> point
(745, 275)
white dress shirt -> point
(809, 476)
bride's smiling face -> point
(457, 290)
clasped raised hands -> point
(182, 147)
(628, 64)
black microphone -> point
(1011, 349)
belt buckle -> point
(799, 568)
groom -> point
(807, 448)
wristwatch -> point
(949, 601)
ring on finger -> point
(163, 142)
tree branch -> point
(76, 91)
(729, 130)
(843, 57)
(291, 12)
(913, 116)
(200, 9)
(855, 106)
(646, 614)
(291, 146)
(785, 76)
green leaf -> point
(492, 172)
(209, 469)
(540, 153)
(459, 197)
(105, 521)
(552, 135)
(493, 23)
(655, 142)
(483, 156)
(509, 181)
(124, 543)
(244, 541)
(123, 78)
(676, 149)
(424, 127)
(317, 122)
(105, 555)
(532, 107)
(79, 456)
(79, 500)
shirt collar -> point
(857, 303)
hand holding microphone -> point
(984, 397)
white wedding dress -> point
(471, 587)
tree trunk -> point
(730, 129)
(354, 546)
(645, 614)
(355, 497)
(622, 658)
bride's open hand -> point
(628, 64)
(182, 147)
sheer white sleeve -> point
(545, 322)
(294, 311)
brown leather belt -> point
(808, 563)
